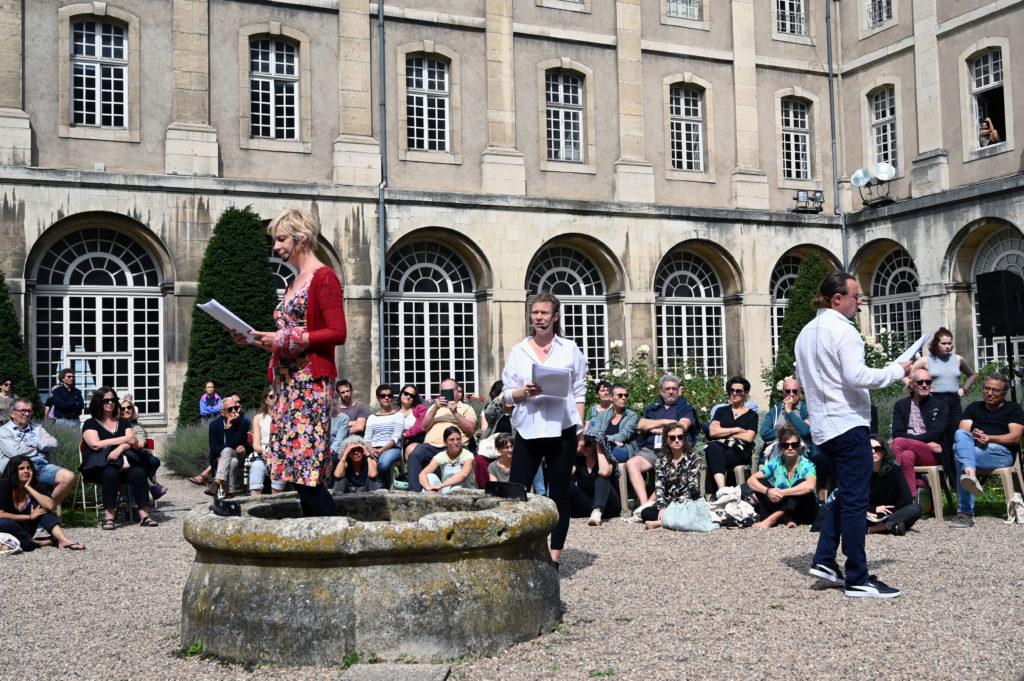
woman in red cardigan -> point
(310, 324)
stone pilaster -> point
(749, 183)
(191, 146)
(503, 170)
(634, 176)
(356, 152)
(15, 127)
(754, 349)
(929, 171)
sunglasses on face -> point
(109, 400)
(792, 392)
(385, 396)
(923, 382)
(675, 438)
(6, 385)
(233, 409)
(619, 395)
(409, 395)
(22, 411)
(879, 449)
(790, 445)
(737, 391)
(126, 409)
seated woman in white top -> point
(451, 468)
(256, 463)
(384, 431)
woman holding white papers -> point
(548, 423)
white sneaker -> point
(875, 588)
(595, 518)
(639, 509)
(971, 485)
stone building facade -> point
(640, 157)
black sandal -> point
(148, 522)
(108, 525)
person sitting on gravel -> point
(594, 481)
(499, 469)
(21, 437)
(891, 507)
(450, 468)
(23, 508)
(229, 445)
(785, 487)
(676, 475)
(355, 472)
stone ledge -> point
(396, 672)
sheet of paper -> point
(909, 353)
(225, 316)
(552, 382)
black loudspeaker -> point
(1000, 301)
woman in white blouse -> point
(548, 427)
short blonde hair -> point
(296, 223)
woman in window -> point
(149, 460)
(730, 436)
(676, 475)
(451, 468)
(785, 488)
(988, 134)
(618, 425)
(595, 479)
(23, 508)
(112, 439)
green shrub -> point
(188, 450)
(13, 358)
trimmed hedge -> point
(13, 356)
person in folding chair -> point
(21, 437)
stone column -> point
(749, 183)
(929, 171)
(503, 170)
(356, 152)
(15, 128)
(753, 345)
(191, 145)
(934, 307)
(634, 176)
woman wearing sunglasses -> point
(106, 434)
(130, 414)
(412, 409)
(676, 475)
(891, 508)
(785, 488)
(730, 436)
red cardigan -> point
(325, 323)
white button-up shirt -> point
(546, 415)
(831, 369)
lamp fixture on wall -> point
(808, 202)
(873, 184)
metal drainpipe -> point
(837, 203)
(382, 225)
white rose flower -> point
(883, 329)
(618, 372)
(615, 344)
(644, 349)
(688, 377)
(778, 386)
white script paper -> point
(552, 382)
(909, 353)
(226, 317)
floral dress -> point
(301, 418)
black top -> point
(747, 421)
(357, 478)
(995, 422)
(220, 437)
(889, 489)
(934, 413)
(612, 428)
(104, 434)
(67, 404)
(584, 478)
(502, 425)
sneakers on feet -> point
(639, 509)
(875, 588)
(962, 521)
(830, 572)
(595, 518)
(971, 485)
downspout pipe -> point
(382, 217)
(836, 201)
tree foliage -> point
(14, 362)
(236, 272)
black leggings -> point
(136, 478)
(606, 498)
(721, 460)
(560, 454)
(315, 501)
(908, 515)
(24, 530)
(801, 509)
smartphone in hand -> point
(448, 394)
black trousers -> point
(26, 529)
(956, 412)
(606, 498)
(721, 460)
(135, 476)
(906, 516)
(316, 501)
(560, 454)
(801, 509)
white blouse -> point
(546, 415)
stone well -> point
(395, 576)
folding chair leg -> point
(624, 491)
(936, 490)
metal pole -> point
(837, 204)
(382, 225)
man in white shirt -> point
(830, 366)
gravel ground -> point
(639, 605)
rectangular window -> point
(796, 140)
(989, 103)
(879, 12)
(98, 74)
(684, 9)
(273, 89)
(427, 97)
(790, 17)
(883, 112)
(564, 97)
(686, 128)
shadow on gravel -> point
(574, 560)
(802, 562)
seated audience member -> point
(149, 459)
(730, 436)
(67, 399)
(339, 427)
(229, 444)
(792, 410)
(891, 508)
(383, 433)
(356, 471)
(989, 437)
(918, 426)
(785, 488)
(496, 417)
(21, 437)
(604, 400)
(356, 412)
(499, 469)
(7, 398)
(256, 461)
(412, 409)
(112, 439)
(440, 415)
(23, 508)
(618, 425)
(676, 475)
(594, 483)
(450, 468)
(670, 409)
(209, 403)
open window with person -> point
(987, 91)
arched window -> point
(689, 313)
(895, 304)
(429, 318)
(97, 308)
(578, 283)
(782, 279)
(283, 274)
(1003, 251)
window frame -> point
(866, 28)
(802, 38)
(868, 123)
(429, 48)
(567, 5)
(687, 79)
(882, 304)
(703, 23)
(588, 149)
(665, 305)
(968, 110)
(813, 181)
